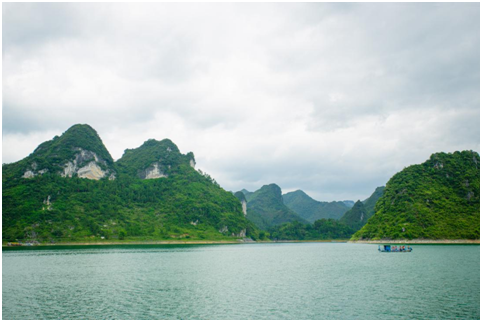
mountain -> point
(312, 210)
(371, 201)
(349, 203)
(244, 202)
(154, 159)
(266, 208)
(356, 217)
(438, 199)
(247, 194)
(69, 189)
(78, 152)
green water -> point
(255, 281)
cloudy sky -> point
(332, 99)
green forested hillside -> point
(312, 210)
(164, 155)
(80, 144)
(356, 217)
(247, 194)
(178, 203)
(371, 201)
(266, 208)
(438, 199)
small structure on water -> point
(395, 249)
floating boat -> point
(395, 249)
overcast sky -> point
(333, 99)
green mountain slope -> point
(244, 202)
(169, 200)
(247, 194)
(78, 152)
(266, 208)
(438, 199)
(154, 159)
(356, 217)
(312, 210)
(371, 201)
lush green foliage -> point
(185, 205)
(356, 217)
(312, 210)
(54, 154)
(241, 197)
(439, 199)
(266, 208)
(323, 229)
(371, 201)
(165, 153)
(247, 194)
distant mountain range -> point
(70, 189)
(265, 207)
(361, 211)
(312, 210)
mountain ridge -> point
(58, 204)
(438, 199)
(265, 207)
(311, 209)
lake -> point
(242, 281)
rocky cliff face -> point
(31, 171)
(244, 203)
(87, 164)
(77, 152)
(152, 172)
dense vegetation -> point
(312, 210)
(356, 217)
(371, 201)
(164, 153)
(438, 199)
(185, 205)
(266, 208)
(54, 154)
(323, 229)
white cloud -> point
(329, 98)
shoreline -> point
(158, 242)
(174, 242)
(232, 242)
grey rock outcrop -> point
(91, 170)
(153, 172)
(32, 171)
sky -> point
(329, 98)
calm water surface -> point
(255, 281)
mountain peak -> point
(356, 217)
(154, 159)
(79, 151)
(438, 199)
(163, 144)
(311, 209)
